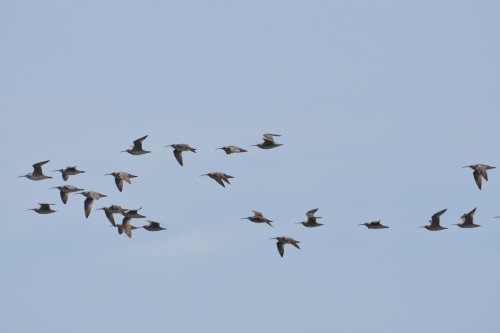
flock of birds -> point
(480, 172)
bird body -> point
(480, 172)
(136, 149)
(311, 219)
(179, 148)
(43, 208)
(232, 149)
(258, 218)
(65, 189)
(120, 177)
(468, 220)
(433, 224)
(69, 171)
(219, 177)
(282, 240)
(37, 173)
(268, 142)
(374, 225)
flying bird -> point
(37, 173)
(111, 210)
(132, 213)
(120, 177)
(282, 240)
(311, 219)
(433, 224)
(125, 227)
(268, 142)
(90, 197)
(43, 208)
(179, 148)
(257, 218)
(153, 226)
(480, 172)
(232, 149)
(219, 177)
(136, 149)
(69, 171)
(374, 225)
(65, 189)
(468, 220)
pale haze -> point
(379, 105)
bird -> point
(136, 149)
(179, 148)
(153, 226)
(282, 240)
(110, 210)
(268, 142)
(311, 219)
(219, 177)
(65, 189)
(132, 213)
(374, 225)
(434, 222)
(37, 173)
(468, 220)
(43, 208)
(257, 218)
(120, 177)
(232, 149)
(125, 227)
(90, 197)
(69, 171)
(480, 172)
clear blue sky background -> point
(379, 103)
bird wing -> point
(311, 212)
(64, 196)
(294, 243)
(477, 178)
(218, 180)
(119, 183)
(127, 229)
(256, 213)
(110, 217)
(281, 248)
(88, 206)
(436, 216)
(178, 156)
(65, 177)
(138, 142)
(126, 177)
(37, 167)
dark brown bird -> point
(257, 218)
(136, 149)
(179, 148)
(120, 177)
(111, 210)
(153, 226)
(268, 142)
(232, 149)
(219, 177)
(480, 172)
(37, 173)
(468, 220)
(282, 240)
(374, 225)
(433, 224)
(65, 189)
(90, 197)
(69, 171)
(311, 219)
(43, 208)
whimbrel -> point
(132, 213)
(232, 149)
(268, 142)
(65, 189)
(282, 240)
(219, 177)
(179, 148)
(311, 219)
(69, 171)
(374, 225)
(136, 149)
(153, 226)
(37, 173)
(433, 224)
(468, 220)
(257, 218)
(125, 227)
(90, 197)
(480, 172)
(110, 210)
(120, 177)
(43, 208)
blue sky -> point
(379, 103)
